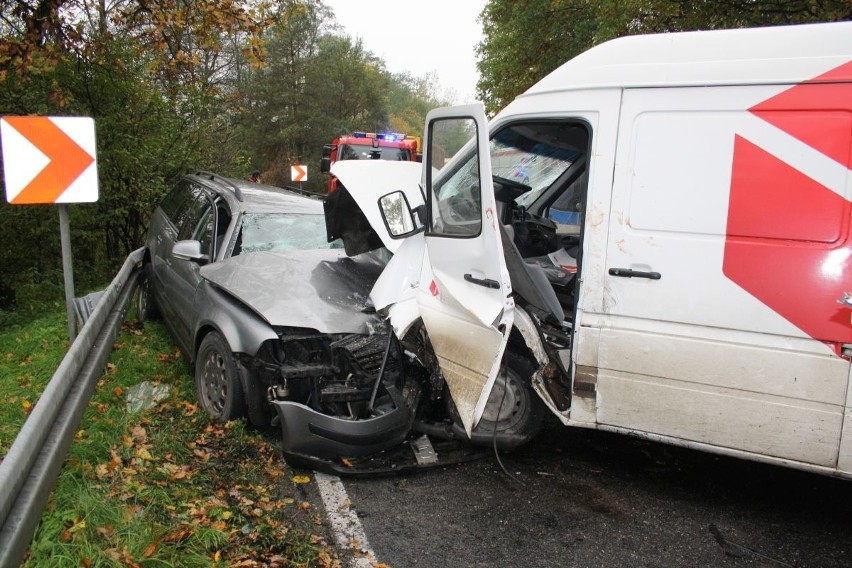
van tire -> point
(520, 416)
(217, 380)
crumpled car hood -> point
(319, 289)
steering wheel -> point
(507, 190)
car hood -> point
(319, 289)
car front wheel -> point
(217, 379)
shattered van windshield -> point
(530, 155)
(282, 232)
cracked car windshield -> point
(282, 232)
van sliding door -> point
(728, 246)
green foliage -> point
(30, 350)
(525, 40)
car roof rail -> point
(301, 191)
(213, 176)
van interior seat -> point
(529, 279)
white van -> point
(663, 225)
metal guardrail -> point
(30, 468)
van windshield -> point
(532, 157)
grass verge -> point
(162, 486)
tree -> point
(526, 39)
(316, 85)
(148, 81)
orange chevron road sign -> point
(49, 159)
(299, 173)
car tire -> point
(146, 308)
(217, 380)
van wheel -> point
(513, 414)
(217, 380)
(146, 309)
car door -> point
(198, 225)
(464, 289)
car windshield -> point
(367, 152)
(282, 232)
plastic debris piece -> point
(145, 395)
(423, 451)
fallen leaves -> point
(150, 550)
(184, 485)
(139, 434)
(74, 526)
(203, 455)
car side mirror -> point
(397, 215)
(189, 250)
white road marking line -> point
(346, 527)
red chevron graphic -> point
(827, 130)
(788, 241)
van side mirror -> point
(397, 215)
(189, 250)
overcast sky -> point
(419, 37)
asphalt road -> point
(584, 498)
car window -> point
(204, 231)
(282, 232)
(186, 206)
(173, 200)
(223, 221)
(190, 216)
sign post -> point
(67, 270)
(51, 160)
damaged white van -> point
(654, 238)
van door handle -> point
(630, 273)
(487, 282)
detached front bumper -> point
(311, 434)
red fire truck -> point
(369, 146)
